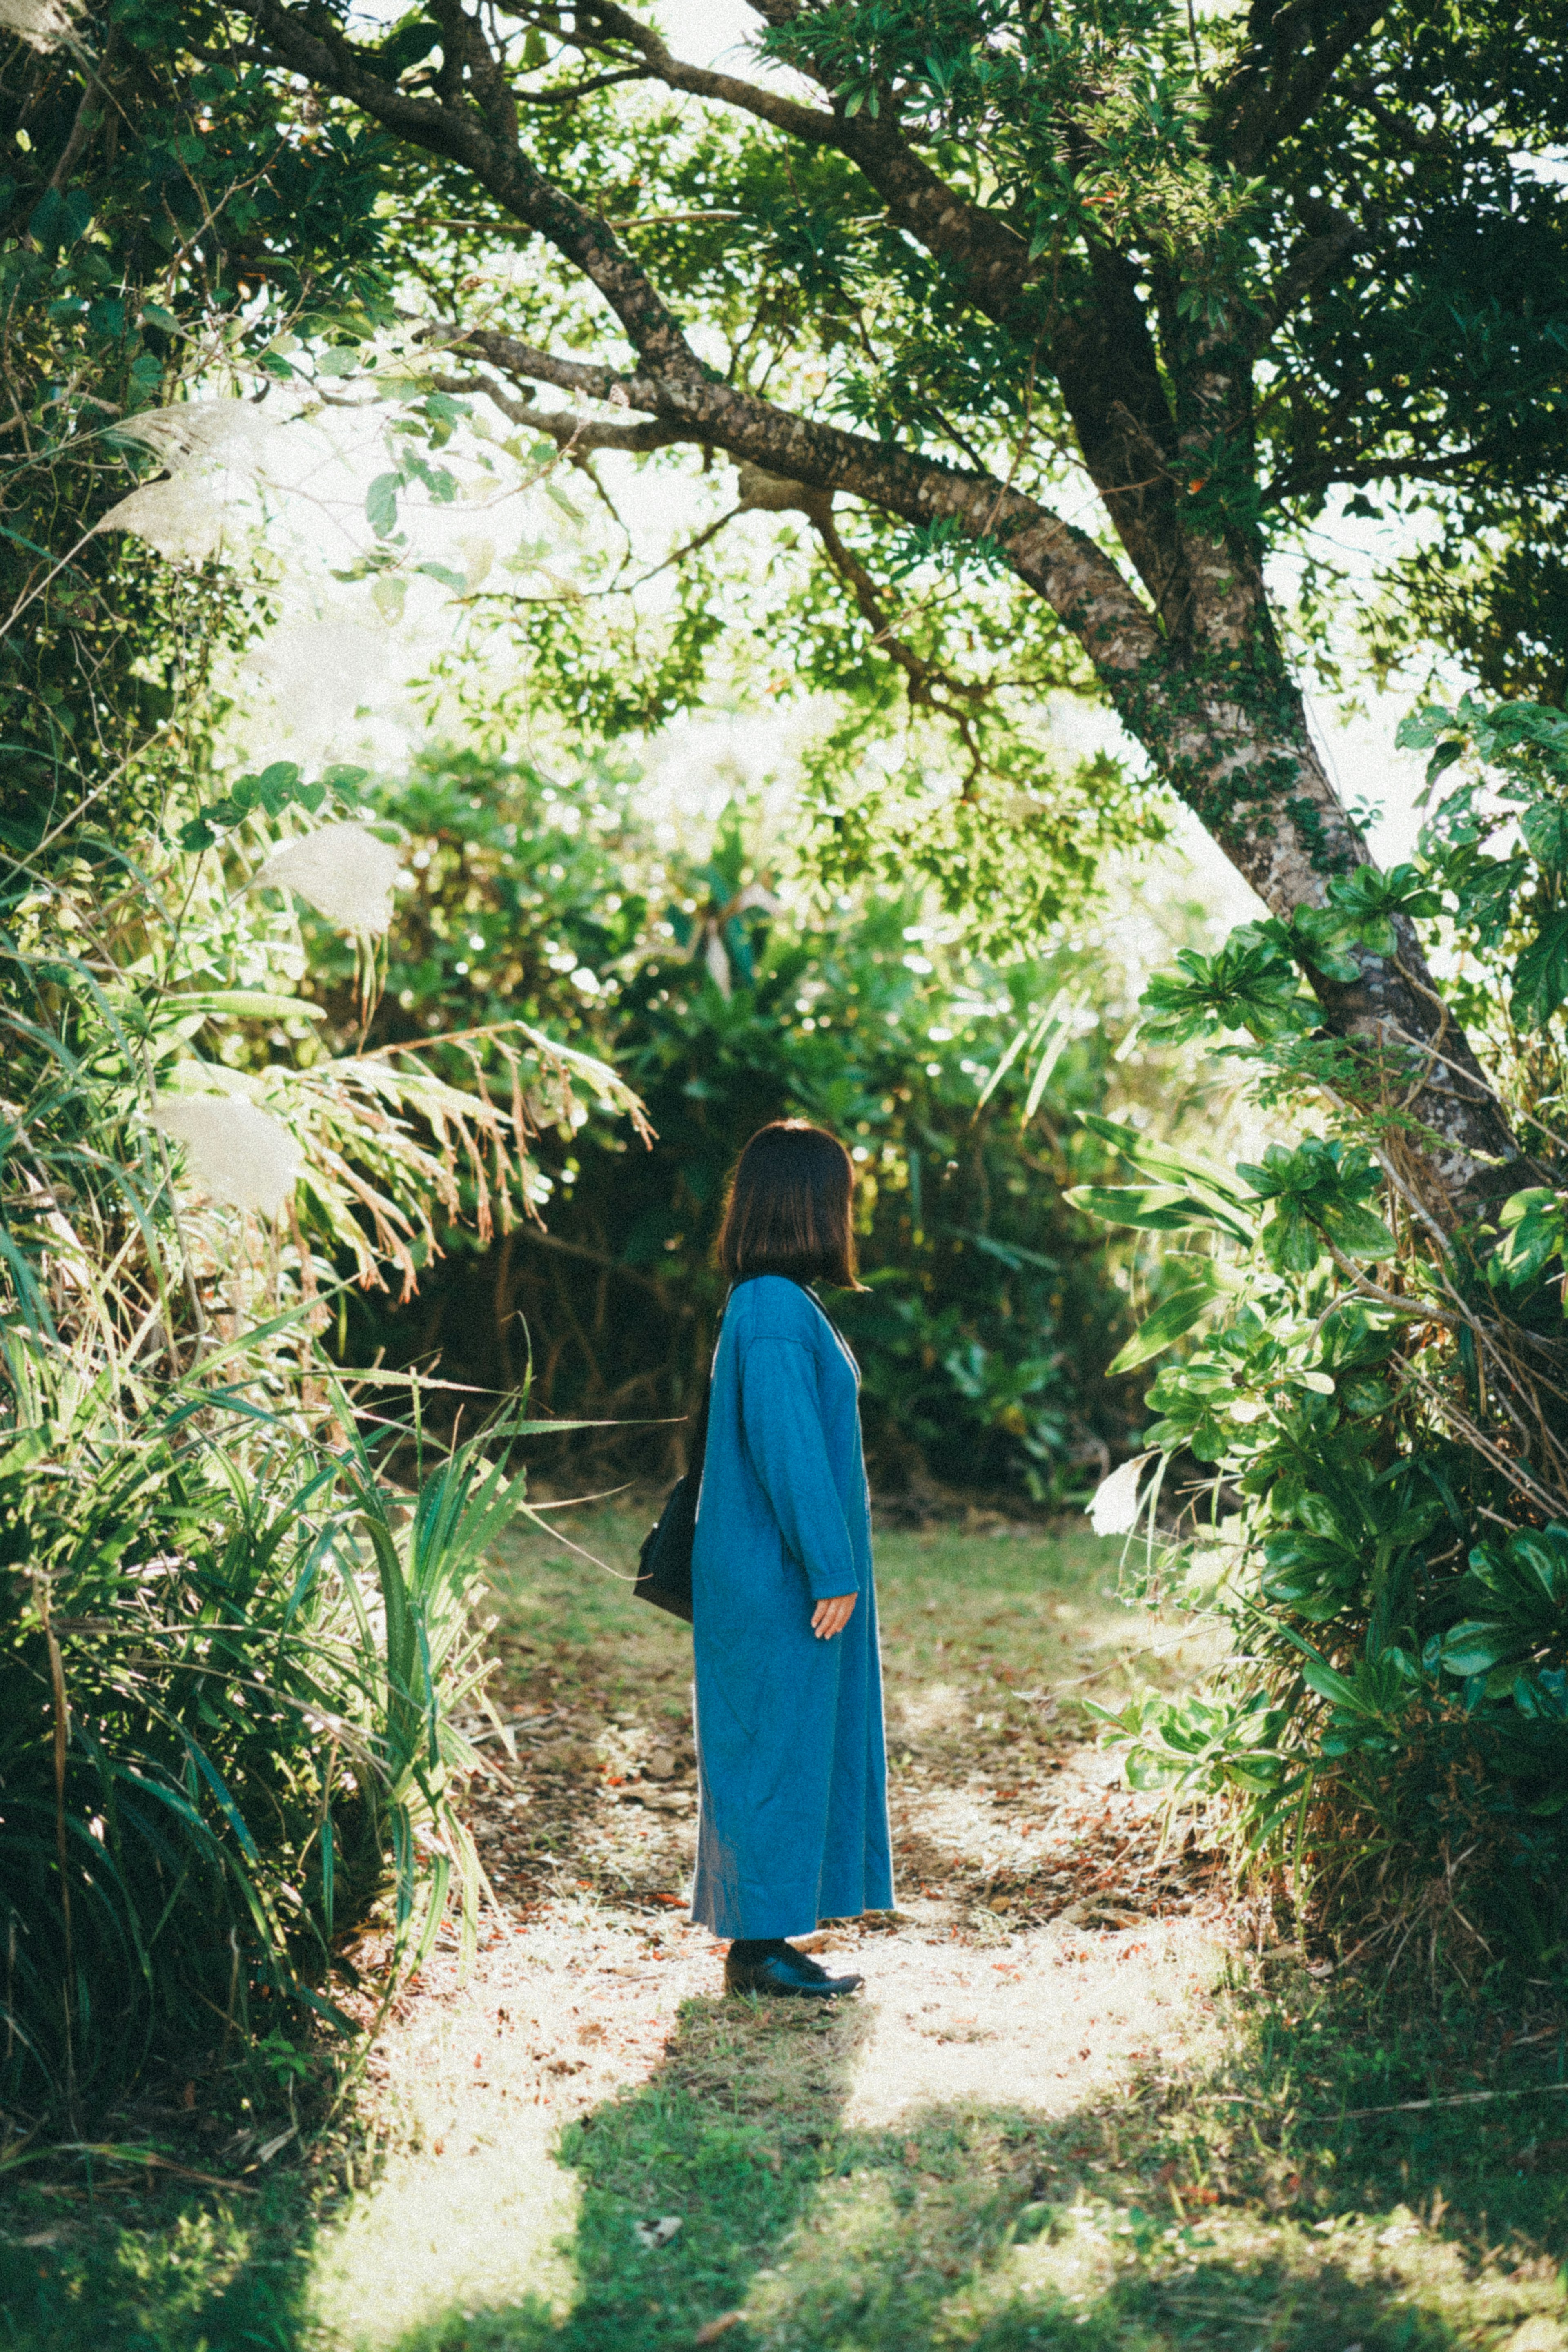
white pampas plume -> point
(182, 518)
(192, 432)
(1115, 1504)
(316, 675)
(42, 23)
(199, 441)
(242, 1155)
(345, 873)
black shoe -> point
(787, 1971)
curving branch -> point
(1059, 562)
(478, 138)
(786, 114)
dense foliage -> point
(1379, 1409)
(991, 1311)
(232, 1665)
(233, 1695)
(158, 222)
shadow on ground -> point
(987, 2229)
(1143, 2222)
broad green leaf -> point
(1170, 1319)
(1476, 1646)
(1166, 1162)
(1160, 1209)
(1533, 1234)
(1540, 974)
(1360, 1232)
(1319, 1676)
(1545, 828)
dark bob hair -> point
(789, 1207)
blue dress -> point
(793, 1826)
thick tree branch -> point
(809, 124)
(1059, 562)
(462, 136)
(567, 426)
(1208, 693)
(1103, 359)
(1292, 56)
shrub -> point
(229, 1693)
(993, 1311)
(1378, 1405)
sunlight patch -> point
(1037, 2031)
(457, 2233)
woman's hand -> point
(830, 1617)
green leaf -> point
(1291, 1243)
(1476, 1646)
(1533, 1234)
(345, 779)
(381, 504)
(1159, 1208)
(1170, 1319)
(244, 1004)
(1545, 829)
(60, 219)
(1165, 1162)
(1540, 974)
(1360, 1232)
(275, 786)
(1319, 1676)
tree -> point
(1224, 265)
(158, 224)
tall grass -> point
(229, 1687)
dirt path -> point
(1044, 1951)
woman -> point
(793, 1819)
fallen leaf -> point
(651, 2235)
(719, 2326)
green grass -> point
(1223, 2194)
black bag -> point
(664, 1564)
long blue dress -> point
(792, 1825)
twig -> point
(1417, 2107)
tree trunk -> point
(1244, 763)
